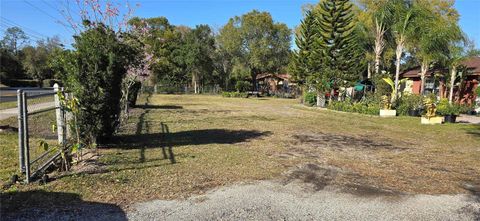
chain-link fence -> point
(167, 89)
(40, 122)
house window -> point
(429, 84)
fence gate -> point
(36, 115)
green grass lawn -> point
(220, 141)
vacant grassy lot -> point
(219, 141)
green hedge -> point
(310, 98)
(20, 83)
(355, 107)
(370, 104)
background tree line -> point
(22, 60)
(231, 59)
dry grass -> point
(219, 141)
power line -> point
(51, 6)
(10, 22)
(48, 14)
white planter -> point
(432, 120)
(388, 113)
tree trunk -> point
(442, 89)
(398, 54)
(379, 44)
(195, 83)
(369, 71)
(423, 73)
(320, 99)
(452, 83)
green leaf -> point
(43, 144)
(389, 82)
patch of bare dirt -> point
(88, 164)
(344, 142)
(315, 176)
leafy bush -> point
(20, 83)
(242, 86)
(370, 104)
(445, 108)
(477, 91)
(95, 71)
(465, 108)
(310, 98)
(409, 102)
(367, 106)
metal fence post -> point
(21, 160)
(25, 137)
(59, 116)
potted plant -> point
(449, 111)
(411, 105)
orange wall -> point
(416, 86)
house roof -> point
(473, 65)
(281, 76)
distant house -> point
(435, 81)
(276, 84)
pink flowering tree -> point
(82, 15)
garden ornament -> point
(431, 108)
(387, 105)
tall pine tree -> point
(303, 64)
(337, 41)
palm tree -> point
(456, 56)
(435, 30)
(382, 17)
(403, 27)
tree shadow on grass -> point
(473, 130)
(186, 138)
(43, 205)
(165, 107)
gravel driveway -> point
(267, 200)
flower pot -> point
(414, 113)
(450, 118)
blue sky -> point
(38, 17)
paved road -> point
(10, 93)
(273, 201)
(12, 112)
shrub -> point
(242, 86)
(445, 108)
(409, 102)
(310, 98)
(477, 91)
(95, 71)
(365, 106)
